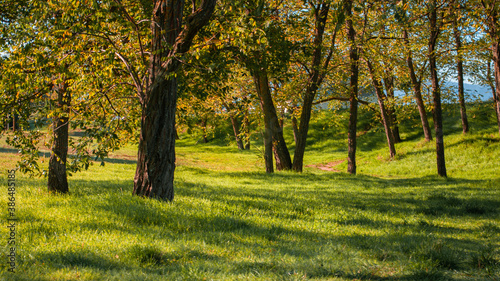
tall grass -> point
(395, 220)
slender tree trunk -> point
(236, 130)
(204, 129)
(353, 89)
(491, 82)
(391, 110)
(436, 91)
(273, 135)
(383, 111)
(57, 178)
(295, 127)
(417, 91)
(460, 78)
(321, 15)
(154, 175)
(246, 122)
(496, 62)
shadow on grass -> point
(235, 221)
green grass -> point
(395, 220)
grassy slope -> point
(395, 220)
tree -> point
(172, 36)
(491, 15)
(317, 70)
(460, 69)
(353, 87)
(435, 28)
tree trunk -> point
(493, 91)
(417, 91)
(246, 122)
(383, 111)
(460, 78)
(295, 128)
(204, 128)
(154, 175)
(436, 92)
(321, 15)
(57, 178)
(496, 62)
(273, 135)
(353, 90)
(391, 111)
(236, 130)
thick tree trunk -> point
(156, 157)
(321, 15)
(460, 78)
(417, 91)
(353, 90)
(154, 175)
(383, 111)
(273, 135)
(57, 178)
(436, 92)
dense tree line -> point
(121, 70)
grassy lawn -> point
(395, 220)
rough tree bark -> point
(417, 86)
(383, 111)
(353, 96)
(460, 77)
(436, 91)
(57, 178)
(154, 175)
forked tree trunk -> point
(273, 135)
(321, 15)
(417, 91)
(57, 178)
(460, 78)
(436, 91)
(353, 90)
(383, 111)
(154, 175)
